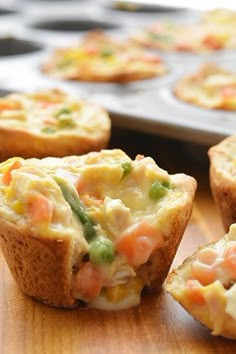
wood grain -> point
(158, 325)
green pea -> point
(127, 167)
(48, 130)
(64, 110)
(166, 184)
(66, 123)
(157, 190)
(106, 53)
(101, 251)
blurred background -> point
(147, 118)
(30, 30)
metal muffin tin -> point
(29, 37)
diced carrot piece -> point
(203, 267)
(229, 91)
(230, 258)
(139, 157)
(9, 105)
(46, 104)
(204, 273)
(82, 185)
(40, 209)
(7, 177)
(91, 50)
(212, 42)
(193, 291)
(152, 59)
(207, 255)
(51, 121)
(89, 281)
(138, 241)
(182, 46)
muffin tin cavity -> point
(7, 12)
(74, 25)
(13, 46)
(4, 92)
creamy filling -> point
(86, 198)
(51, 112)
(207, 286)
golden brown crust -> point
(129, 62)
(121, 76)
(156, 269)
(41, 267)
(26, 144)
(222, 184)
(224, 193)
(191, 89)
(174, 283)
(51, 123)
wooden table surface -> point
(158, 325)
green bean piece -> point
(101, 251)
(64, 110)
(166, 184)
(89, 230)
(127, 167)
(158, 190)
(72, 198)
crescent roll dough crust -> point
(222, 179)
(100, 58)
(95, 229)
(50, 123)
(205, 285)
(210, 87)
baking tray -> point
(147, 105)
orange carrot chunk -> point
(7, 177)
(229, 91)
(139, 157)
(207, 256)
(230, 259)
(204, 273)
(212, 42)
(40, 209)
(138, 241)
(9, 105)
(82, 185)
(193, 291)
(203, 267)
(89, 281)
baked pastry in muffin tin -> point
(51, 123)
(210, 87)
(92, 230)
(101, 58)
(205, 285)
